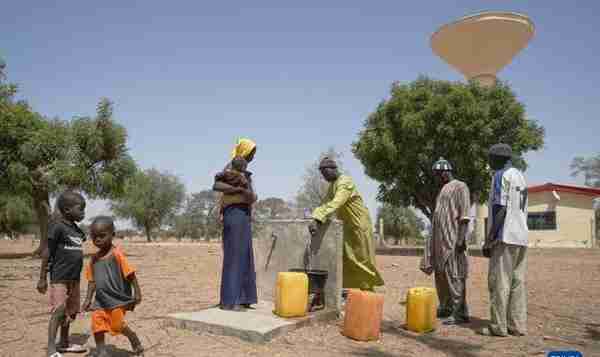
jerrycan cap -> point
(421, 290)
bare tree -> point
(589, 168)
(314, 187)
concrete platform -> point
(259, 325)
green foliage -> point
(426, 119)
(16, 215)
(40, 156)
(589, 168)
(199, 216)
(150, 199)
(51, 154)
(400, 222)
(273, 208)
(314, 187)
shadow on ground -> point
(448, 346)
(593, 331)
(112, 352)
(374, 352)
(476, 324)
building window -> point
(541, 221)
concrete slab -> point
(259, 325)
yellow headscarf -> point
(243, 147)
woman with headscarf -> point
(238, 279)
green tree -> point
(2, 67)
(199, 216)
(273, 208)
(40, 157)
(589, 168)
(150, 199)
(400, 222)
(426, 119)
(314, 187)
(16, 215)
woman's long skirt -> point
(238, 279)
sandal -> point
(72, 349)
(516, 333)
(489, 331)
(56, 354)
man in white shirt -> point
(506, 246)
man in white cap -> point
(445, 252)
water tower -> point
(480, 45)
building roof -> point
(578, 190)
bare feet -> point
(231, 307)
(136, 344)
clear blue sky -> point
(187, 78)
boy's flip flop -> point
(72, 349)
(56, 354)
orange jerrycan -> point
(421, 309)
(291, 297)
(363, 314)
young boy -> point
(63, 260)
(111, 279)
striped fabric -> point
(452, 205)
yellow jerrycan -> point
(291, 297)
(421, 309)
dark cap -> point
(502, 150)
(327, 162)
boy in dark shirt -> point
(64, 261)
(111, 279)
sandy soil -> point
(564, 302)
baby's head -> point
(239, 164)
(102, 231)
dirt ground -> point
(564, 302)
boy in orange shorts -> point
(111, 280)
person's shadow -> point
(113, 352)
(475, 324)
(449, 347)
(82, 338)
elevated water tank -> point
(480, 45)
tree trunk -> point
(41, 205)
(476, 237)
(148, 233)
